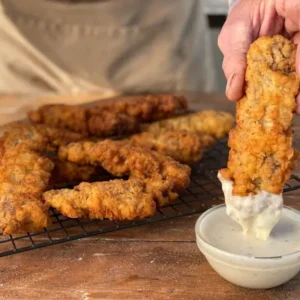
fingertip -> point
(235, 87)
(298, 105)
(297, 39)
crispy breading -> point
(69, 117)
(164, 176)
(55, 137)
(261, 156)
(105, 123)
(87, 121)
(181, 145)
(209, 125)
(147, 108)
(24, 175)
(116, 118)
(68, 172)
(115, 200)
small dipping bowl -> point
(245, 260)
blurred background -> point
(110, 47)
(216, 12)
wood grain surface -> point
(154, 261)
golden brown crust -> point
(261, 155)
(24, 175)
(116, 118)
(55, 137)
(114, 200)
(209, 125)
(68, 172)
(68, 117)
(105, 124)
(181, 145)
(146, 108)
(165, 178)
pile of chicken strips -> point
(157, 141)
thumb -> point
(234, 41)
(234, 67)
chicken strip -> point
(68, 172)
(261, 156)
(114, 200)
(24, 175)
(84, 120)
(209, 125)
(146, 108)
(116, 118)
(165, 178)
(181, 145)
(55, 137)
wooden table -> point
(155, 261)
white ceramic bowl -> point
(248, 271)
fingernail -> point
(229, 82)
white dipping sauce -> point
(242, 258)
(257, 214)
(223, 233)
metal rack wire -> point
(203, 192)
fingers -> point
(298, 105)
(290, 11)
(270, 22)
(234, 67)
(234, 41)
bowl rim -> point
(292, 255)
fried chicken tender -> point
(84, 120)
(261, 156)
(116, 118)
(181, 145)
(24, 175)
(147, 108)
(209, 125)
(164, 177)
(55, 137)
(68, 172)
(115, 200)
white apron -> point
(104, 47)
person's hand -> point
(247, 21)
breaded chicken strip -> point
(261, 156)
(24, 175)
(147, 108)
(116, 118)
(209, 125)
(55, 137)
(181, 145)
(165, 178)
(84, 120)
(68, 172)
(114, 200)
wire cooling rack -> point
(203, 192)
